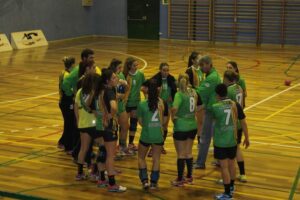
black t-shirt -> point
(109, 95)
(241, 114)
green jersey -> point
(86, 119)
(165, 91)
(61, 78)
(99, 115)
(136, 81)
(70, 82)
(235, 93)
(200, 75)
(206, 90)
(225, 115)
(241, 82)
(186, 103)
(151, 124)
(121, 89)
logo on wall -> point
(1, 42)
(4, 43)
(30, 38)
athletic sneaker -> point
(188, 181)
(153, 186)
(93, 177)
(145, 185)
(216, 163)
(126, 152)
(80, 177)
(150, 153)
(116, 188)
(242, 178)
(197, 166)
(223, 197)
(177, 183)
(132, 147)
(102, 184)
(220, 181)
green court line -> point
(295, 184)
(12, 161)
(19, 196)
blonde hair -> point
(184, 85)
(183, 82)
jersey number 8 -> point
(192, 104)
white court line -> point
(271, 97)
(28, 98)
(276, 144)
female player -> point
(186, 103)
(151, 115)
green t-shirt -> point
(200, 75)
(85, 119)
(224, 128)
(165, 91)
(235, 93)
(151, 125)
(134, 97)
(241, 82)
(185, 116)
(70, 82)
(99, 116)
(206, 90)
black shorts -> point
(91, 131)
(129, 109)
(222, 153)
(184, 135)
(239, 136)
(109, 136)
(149, 144)
(99, 133)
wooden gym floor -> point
(31, 122)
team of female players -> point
(107, 105)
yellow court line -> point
(34, 138)
(284, 108)
(38, 162)
(27, 144)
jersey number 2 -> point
(155, 116)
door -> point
(143, 19)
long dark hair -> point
(106, 75)
(234, 65)
(89, 83)
(152, 95)
(192, 57)
(83, 66)
(127, 65)
(99, 86)
(114, 64)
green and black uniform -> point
(185, 124)
(121, 90)
(226, 113)
(196, 76)
(152, 131)
(111, 131)
(135, 81)
(66, 106)
(236, 94)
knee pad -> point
(133, 124)
(101, 154)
